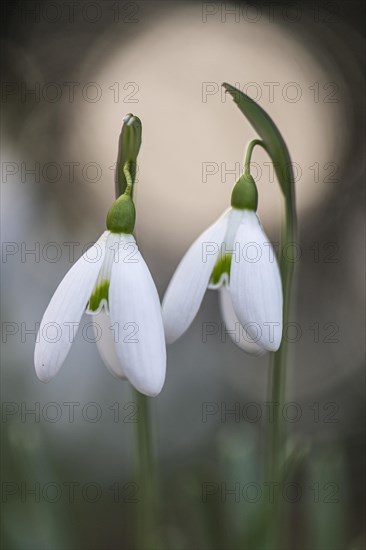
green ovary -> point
(221, 267)
(100, 293)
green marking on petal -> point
(222, 267)
(100, 293)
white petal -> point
(62, 316)
(105, 338)
(232, 326)
(255, 284)
(135, 306)
(188, 285)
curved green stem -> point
(277, 383)
(248, 155)
(129, 181)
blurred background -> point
(70, 72)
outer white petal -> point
(190, 280)
(105, 339)
(62, 316)
(134, 306)
(233, 327)
(255, 284)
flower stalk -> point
(279, 365)
(146, 519)
(274, 144)
(277, 444)
(277, 383)
(248, 155)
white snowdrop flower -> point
(235, 256)
(112, 282)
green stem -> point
(146, 528)
(277, 384)
(127, 173)
(248, 155)
(276, 450)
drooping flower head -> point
(234, 256)
(111, 282)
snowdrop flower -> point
(112, 282)
(234, 256)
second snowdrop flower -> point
(235, 256)
(114, 284)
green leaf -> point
(271, 136)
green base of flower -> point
(245, 194)
(122, 215)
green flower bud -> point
(122, 215)
(128, 149)
(245, 194)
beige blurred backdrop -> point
(166, 66)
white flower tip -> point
(113, 369)
(171, 334)
(272, 343)
(45, 364)
(43, 377)
(44, 373)
(171, 324)
(153, 393)
(151, 387)
(272, 346)
(251, 348)
(148, 376)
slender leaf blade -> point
(270, 135)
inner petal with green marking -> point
(221, 272)
(99, 298)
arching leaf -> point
(270, 135)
